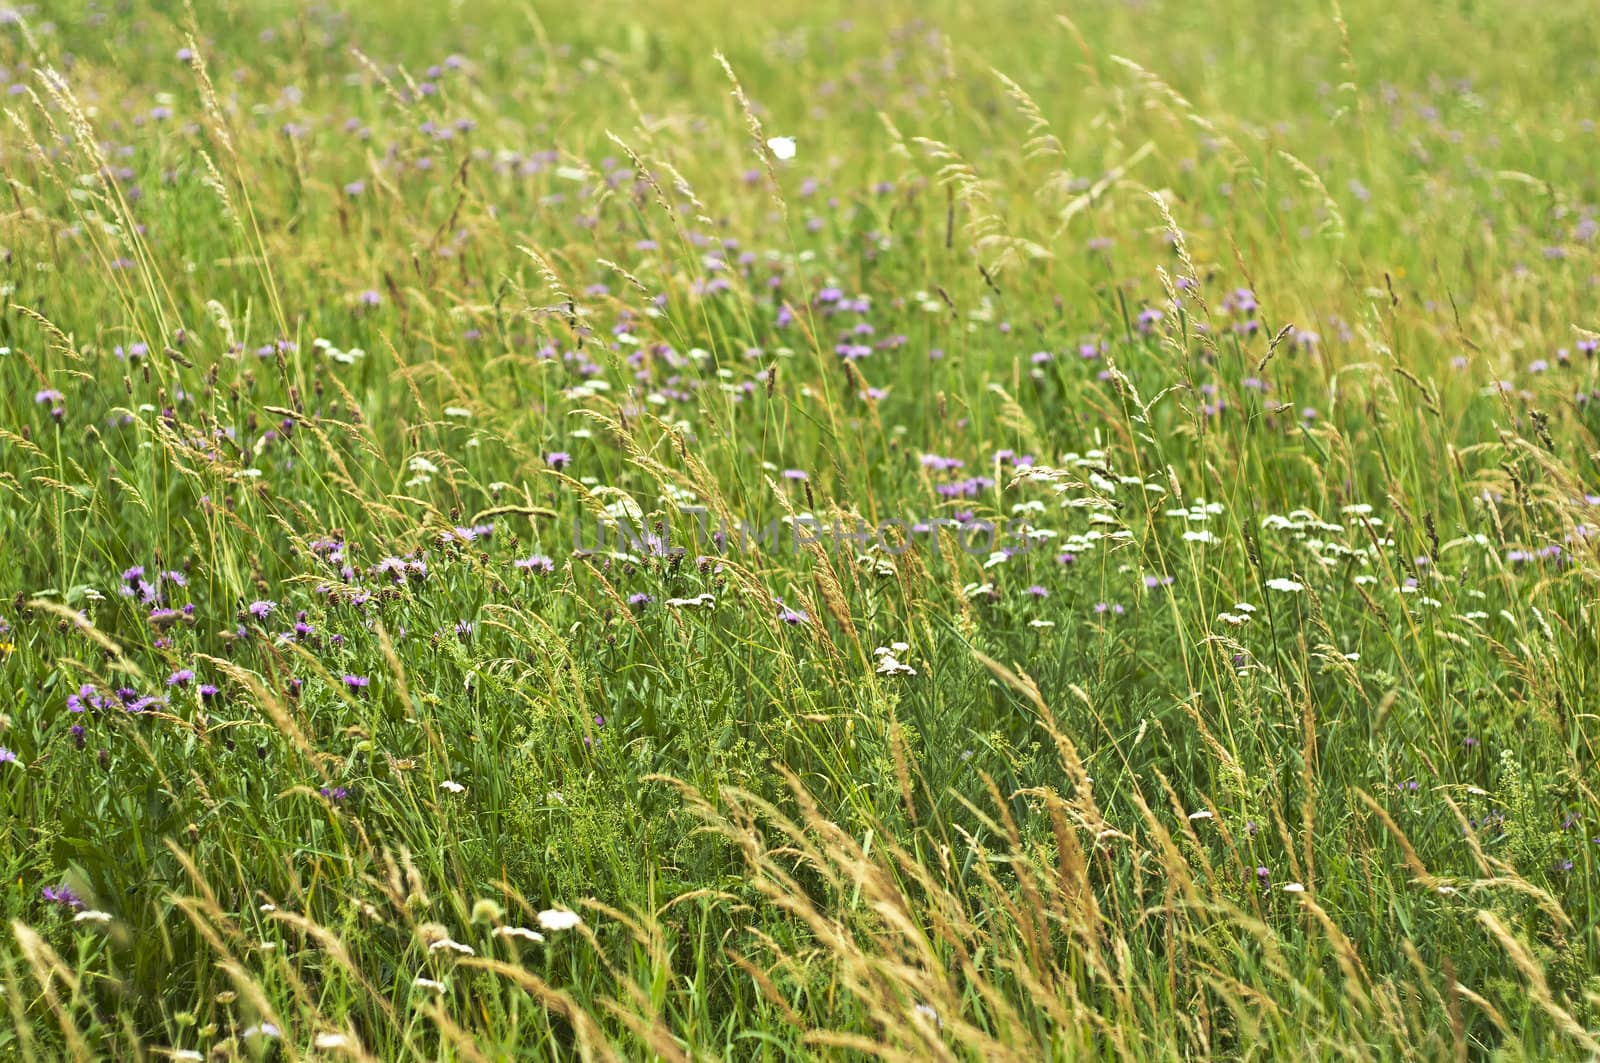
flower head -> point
(554, 919)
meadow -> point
(922, 531)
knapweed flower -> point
(8, 757)
(391, 566)
(262, 609)
(356, 682)
(62, 895)
(558, 459)
(86, 698)
(181, 678)
(536, 563)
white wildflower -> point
(890, 666)
(699, 601)
(554, 919)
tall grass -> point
(1094, 556)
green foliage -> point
(1095, 555)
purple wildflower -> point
(62, 895)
